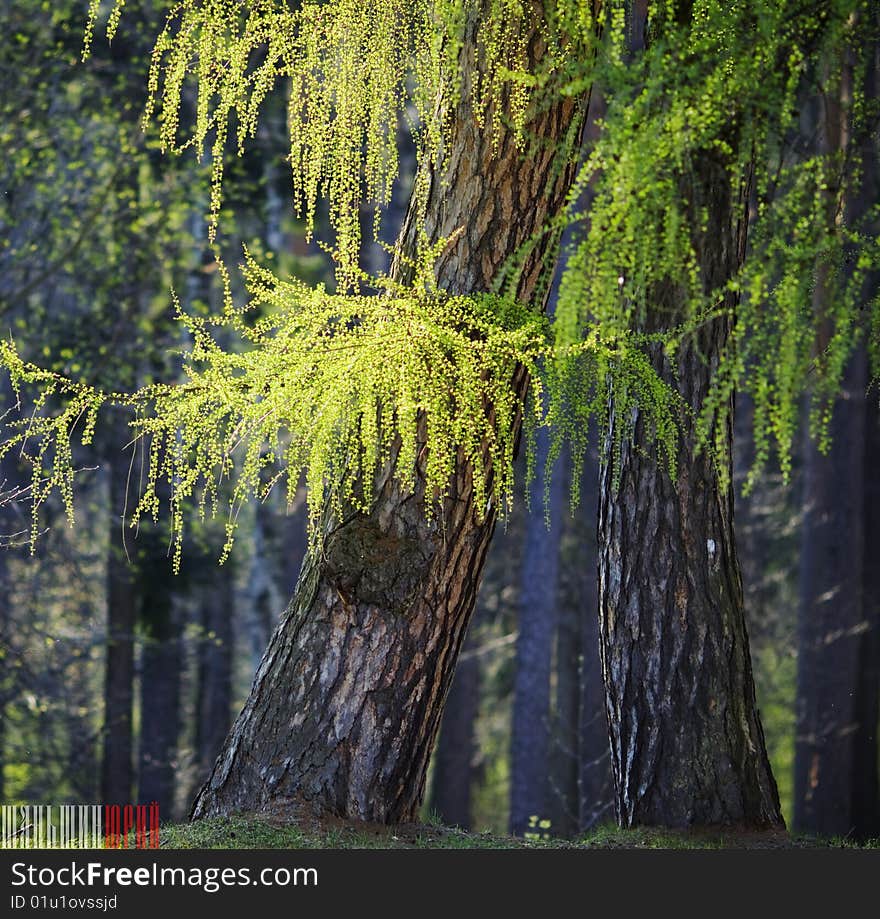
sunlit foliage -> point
(336, 384)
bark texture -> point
(346, 702)
(687, 747)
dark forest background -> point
(96, 228)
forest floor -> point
(262, 833)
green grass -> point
(260, 833)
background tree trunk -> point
(346, 703)
(161, 665)
(832, 628)
(835, 745)
(866, 798)
(530, 734)
(596, 783)
(686, 741)
(214, 679)
(451, 787)
(117, 770)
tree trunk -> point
(161, 665)
(596, 784)
(564, 806)
(8, 527)
(346, 703)
(687, 746)
(117, 770)
(530, 733)
(214, 693)
(831, 627)
(451, 788)
(866, 794)
(836, 742)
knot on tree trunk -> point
(373, 565)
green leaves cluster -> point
(340, 385)
(744, 86)
(333, 386)
(351, 70)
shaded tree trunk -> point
(215, 655)
(530, 752)
(564, 805)
(596, 784)
(117, 770)
(161, 665)
(687, 747)
(8, 480)
(346, 703)
(831, 626)
(454, 773)
(837, 705)
(866, 793)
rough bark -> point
(530, 741)
(117, 770)
(346, 703)
(687, 747)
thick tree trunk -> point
(687, 746)
(117, 771)
(346, 703)
(539, 575)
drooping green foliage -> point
(727, 81)
(333, 384)
(332, 387)
(350, 69)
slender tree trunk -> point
(596, 784)
(7, 528)
(117, 771)
(161, 665)
(564, 806)
(214, 692)
(836, 742)
(530, 734)
(866, 793)
(831, 629)
(452, 784)
(687, 746)
(346, 703)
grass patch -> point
(246, 832)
